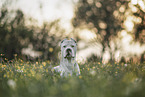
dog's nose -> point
(68, 50)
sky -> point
(47, 10)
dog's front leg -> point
(77, 69)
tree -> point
(15, 35)
(12, 32)
(107, 19)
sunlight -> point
(115, 13)
(127, 39)
(85, 53)
(129, 24)
(134, 9)
(50, 10)
(90, 1)
(117, 56)
(137, 20)
(30, 52)
(106, 56)
(87, 34)
(141, 4)
(134, 2)
(102, 25)
(98, 4)
(129, 47)
(122, 8)
(123, 33)
(133, 49)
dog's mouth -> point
(68, 54)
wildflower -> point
(117, 67)
(21, 60)
(6, 59)
(51, 49)
(88, 69)
(125, 65)
(5, 75)
(1, 55)
(19, 70)
(94, 67)
(37, 63)
(15, 55)
(18, 67)
(80, 77)
(44, 64)
(48, 61)
(79, 72)
(41, 66)
(32, 72)
(3, 66)
(8, 74)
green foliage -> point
(108, 17)
(11, 32)
(15, 35)
(26, 79)
(93, 12)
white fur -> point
(68, 66)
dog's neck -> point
(68, 63)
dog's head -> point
(68, 48)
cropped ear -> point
(62, 41)
(73, 40)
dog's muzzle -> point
(68, 53)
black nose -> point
(68, 50)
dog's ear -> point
(73, 40)
(62, 41)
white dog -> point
(68, 64)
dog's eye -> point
(72, 45)
(64, 46)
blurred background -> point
(105, 30)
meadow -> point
(35, 79)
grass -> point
(26, 79)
